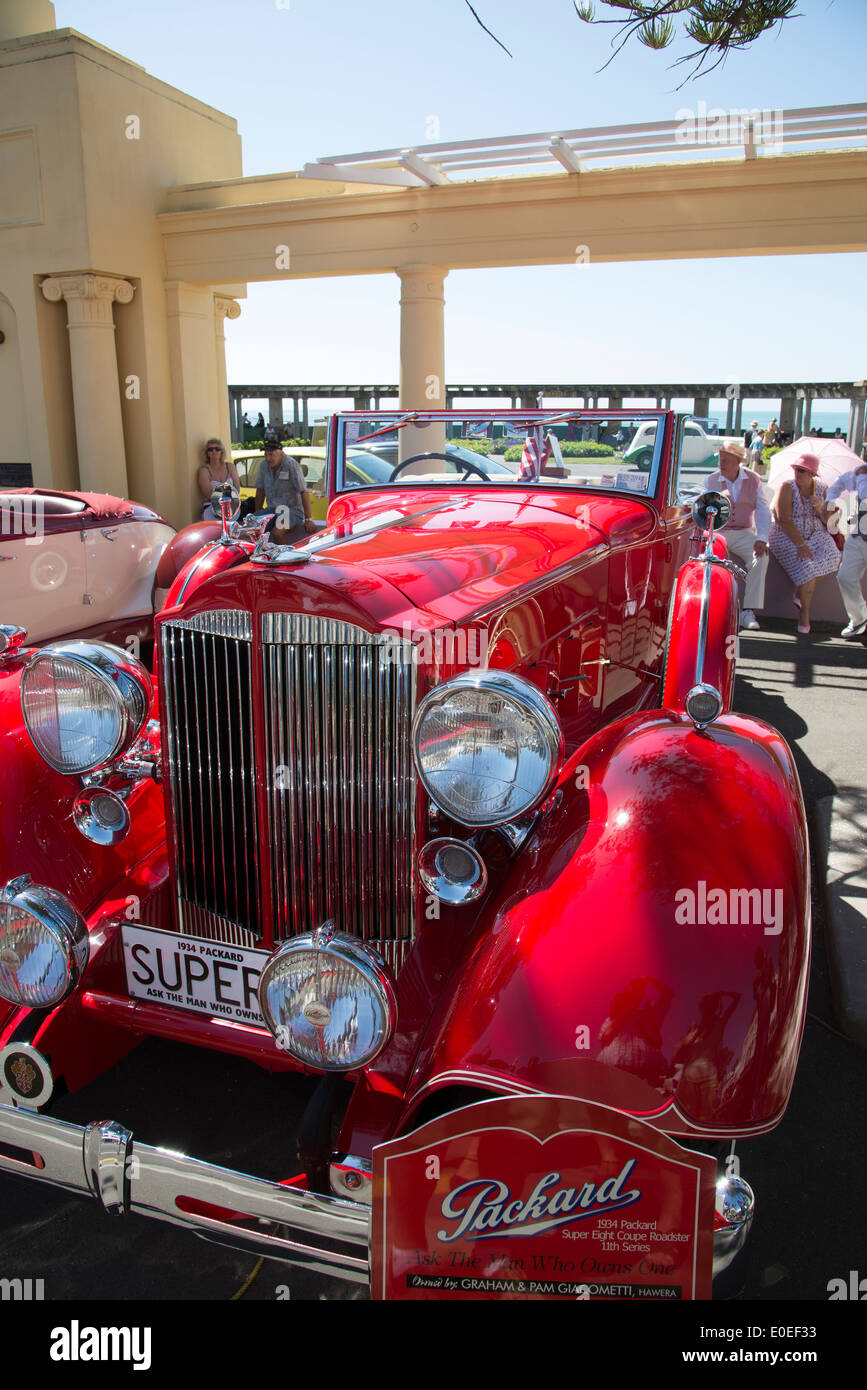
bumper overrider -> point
(329, 1235)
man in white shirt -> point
(854, 561)
(747, 533)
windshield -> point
(610, 452)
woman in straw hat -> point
(799, 538)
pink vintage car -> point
(79, 564)
(445, 805)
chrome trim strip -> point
(327, 1234)
(195, 566)
(703, 619)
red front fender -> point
(591, 980)
(681, 651)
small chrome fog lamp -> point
(703, 704)
(452, 871)
(101, 816)
(329, 1000)
(43, 945)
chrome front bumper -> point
(330, 1235)
(327, 1234)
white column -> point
(95, 384)
(422, 352)
(224, 309)
(799, 417)
(196, 396)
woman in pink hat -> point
(799, 536)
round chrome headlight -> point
(329, 1000)
(84, 703)
(487, 746)
(43, 945)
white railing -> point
(734, 133)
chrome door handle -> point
(110, 535)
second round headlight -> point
(84, 703)
(487, 746)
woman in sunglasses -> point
(216, 468)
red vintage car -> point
(445, 804)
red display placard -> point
(541, 1197)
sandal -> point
(795, 600)
(803, 629)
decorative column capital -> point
(419, 282)
(89, 297)
(226, 308)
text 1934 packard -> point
(447, 804)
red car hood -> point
(457, 552)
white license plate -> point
(207, 976)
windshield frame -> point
(396, 419)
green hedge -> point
(585, 449)
(478, 446)
(570, 449)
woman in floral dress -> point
(799, 536)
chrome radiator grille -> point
(207, 676)
(339, 704)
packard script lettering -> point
(489, 1205)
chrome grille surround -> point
(207, 669)
(342, 787)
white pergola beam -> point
(425, 171)
(353, 173)
(565, 155)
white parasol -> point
(834, 455)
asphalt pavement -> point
(807, 1174)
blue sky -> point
(307, 78)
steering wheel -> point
(464, 464)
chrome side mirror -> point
(712, 509)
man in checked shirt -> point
(854, 561)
